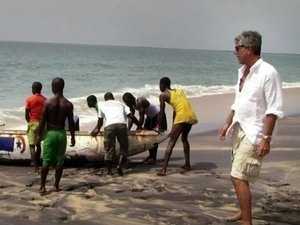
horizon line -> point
(133, 46)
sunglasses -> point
(238, 47)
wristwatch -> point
(267, 137)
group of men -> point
(253, 115)
(119, 119)
(46, 120)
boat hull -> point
(14, 145)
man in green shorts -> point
(56, 110)
(33, 112)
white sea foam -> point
(14, 118)
(290, 85)
(191, 91)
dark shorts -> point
(54, 148)
(151, 123)
(111, 133)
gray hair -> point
(250, 39)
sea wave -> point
(191, 91)
(14, 117)
(291, 85)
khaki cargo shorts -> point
(246, 164)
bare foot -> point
(119, 171)
(234, 218)
(161, 173)
(37, 170)
(110, 173)
(149, 159)
(55, 189)
(186, 167)
(42, 191)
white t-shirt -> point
(75, 118)
(113, 112)
(261, 95)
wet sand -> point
(203, 195)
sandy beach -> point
(203, 195)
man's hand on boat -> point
(94, 132)
(159, 130)
(73, 142)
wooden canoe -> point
(14, 145)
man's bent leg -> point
(108, 166)
(152, 154)
(150, 124)
(38, 154)
(119, 167)
(58, 175)
(186, 146)
(122, 137)
(44, 173)
(33, 157)
(176, 131)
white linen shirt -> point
(261, 95)
(113, 112)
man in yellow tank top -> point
(183, 119)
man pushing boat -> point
(115, 114)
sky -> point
(190, 24)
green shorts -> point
(54, 148)
(32, 132)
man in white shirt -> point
(76, 122)
(115, 115)
(92, 102)
(253, 115)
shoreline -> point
(211, 111)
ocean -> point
(94, 69)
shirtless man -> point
(144, 107)
(55, 112)
(183, 119)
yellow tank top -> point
(182, 107)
